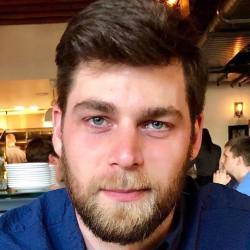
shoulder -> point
(216, 148)
(46, 205)
(30, 221)
(216, 196)
(219, 218)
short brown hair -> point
(135, 33)
(39, 149)
(240, 146)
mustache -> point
(125, 181)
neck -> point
(92, 242)
(243, 171)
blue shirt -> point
(244, 185)
(215, 218)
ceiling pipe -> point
(221, 79)
(216, 20)
(244, 81)
(48, 115)
(238, 80)
(232, 21)
(216, 70)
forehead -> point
(127, 86)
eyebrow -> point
(97, 105)
(107, 107)
(157, 112)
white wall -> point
(219, 110)
(28, 51)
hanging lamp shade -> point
(48, 115)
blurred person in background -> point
(235, 165)
(207, 161)
(13, 153)
(41, 150)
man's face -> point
(125, 141)
(228, 161)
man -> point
(235, 165)
(41, 149)
(128, 120)
(13, 153)
(209, 150)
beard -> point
(123, 222)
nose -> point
(126, 150)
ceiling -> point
(38, 11)
(223, 32)
(20, 93)
(226, 43)
(54, 11)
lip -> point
(124, 195)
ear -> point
(57, 131)
(52, 159)
(196, 143)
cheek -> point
(231, 164)
(228, 165)
(166, 161)
(84, 153)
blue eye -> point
(98, 121)
(98, 124)
(157, 124)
